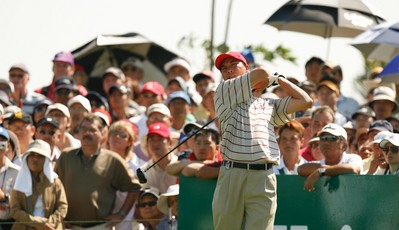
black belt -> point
(232, 164)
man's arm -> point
(300, 100)
(208, 172)
(116, 218)
(176, 168)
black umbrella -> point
(326, 18)
(111, 50)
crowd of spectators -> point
(79, 148)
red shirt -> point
(307, 153)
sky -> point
(32, 32)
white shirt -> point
(349, 158)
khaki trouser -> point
(244, 198)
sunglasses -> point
(149, 204)
(118, 133)
(329, 138)
(392, 149)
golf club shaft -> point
(177, 146)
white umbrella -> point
(380, 42)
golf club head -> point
(141, 175)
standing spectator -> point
(133, 69)
(22, 125)
(159, 143)
(312, 69)
(202, 81)
(383, 102)
(38, 198)
(8, 174)
(363, 117)
(112, 76)
(61, 114)
(48, 130)
(79, 107)
(63, 66)
(151, 93)
(121, 139)
(39, 111)
(333, 143)
(175, 84)
(118, 97)
(13, 153)
(19, 76)
(65, 89)
(90, 170)
(249, 147)
(290, 142)
(97, 101)
(179, 104)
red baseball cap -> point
(233, 54)
(153, 87)
(160, 129)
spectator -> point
(134, 72)
(38, 197)
(97, 101)
(39, 111)
(312, 69)
(290, 142)
(112, 76)
(159, 143)
(378, 126)
(390, 148)
(151, 93)
(22, 125)
(202, 81)
(63, 66)
(383, 102)
(363, 117)
(65, 89)
(314, 144)
(321, 116)
(333, 143)
(48, 130)
(209, 104)
(8, 174)
(148, 215)
(121, 138)
(90, 170)
(205, 151)
(118, 97)
(19, 76)
(175, 84)
(13, 153)
(79, 107)
(328, 94)
(377, 164)
(168, 203)
(179, 104)
(61, 114)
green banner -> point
(342, 202)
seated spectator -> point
(390, 148)
(206, 151)
(290, 141)
(376, 164)
(147, 213)
(333, 143)
(79, 107)
(38, 198)
(168, 203)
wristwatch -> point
(322, 171)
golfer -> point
(245, 194)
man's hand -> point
(48, 226)
(311, 180)
(114, 219)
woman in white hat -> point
(38, 198)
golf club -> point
(141, 173)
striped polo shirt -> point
(247, 122)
